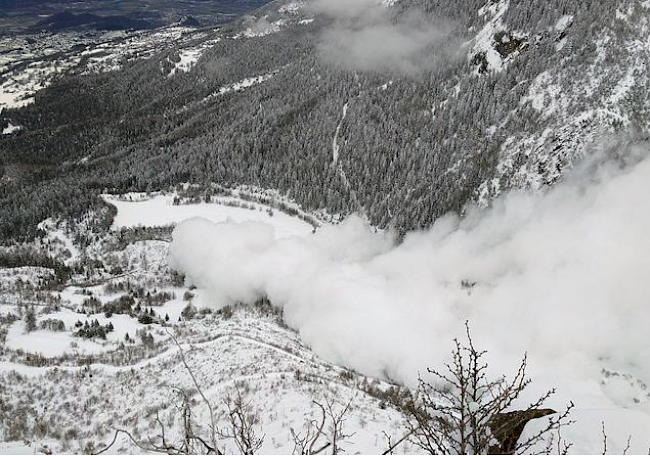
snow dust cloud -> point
(366, 35)
(563, 275)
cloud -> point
(366, 35)
(562, 275)
(258, 27)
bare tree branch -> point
(213, 427)
(463, 412)
(243, 422)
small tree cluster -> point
(145, 337)
(52, 325)
(92, 330)
(147, 317)
(121, 306)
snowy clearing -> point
(160, 211)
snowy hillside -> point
(247, 351)
(129, 376)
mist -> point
(366, 35)
(561, 275)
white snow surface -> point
(261, 27)
(188, 58)
(564, 22)
(280, 375)
(160, 211)
(52, 344)
(9, 129)
(335, 145)
(484, 41)
(14, 98)
(57, 239)
(292, 8)
(242, 85)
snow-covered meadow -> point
(160, 210)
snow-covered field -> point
(160, 211)
(247, 352)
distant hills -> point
(67, 20)
(29, 16)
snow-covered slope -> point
(580, 99)
(126, 381)
(248, 351)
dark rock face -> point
(508, 427)
(507, 44)
(189, 21)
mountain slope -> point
(519, 92)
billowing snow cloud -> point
(365, 35)
(563, 275)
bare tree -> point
(627, 444)
(465, 412)
(306, 441)
(190, 442)
(243, 423)
(392, 446)
(336, 423)
(213, 427)
(329, 429)
(187, 443)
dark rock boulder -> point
(508, 427)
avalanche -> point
(561, 275)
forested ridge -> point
(412, 146)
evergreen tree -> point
(30, 320)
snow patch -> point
(544, 95)
(335, 141)
(11, 129)
(243, 84)
(564, 23)
(484, 41)
(261, 27)
(57, 240)
(188, 58)
(292, 8)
